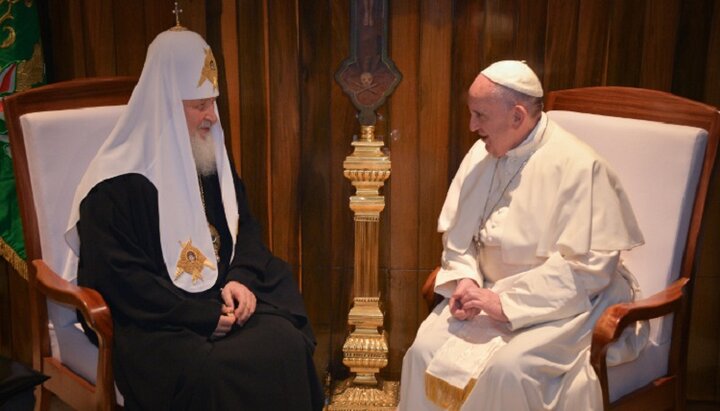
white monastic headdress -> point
(515, 75)
(152, 138)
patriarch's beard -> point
(203, 150)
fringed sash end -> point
(445, 395)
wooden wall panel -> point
(284, 119)
(434, 114)
(131, 56)
(592, 41)
(225, 33)
(712, 72)
(403, 191)
(100, 59)
(498, 33)
(661, 28)
(315, 169)
(626, 33)
(104, 38)
(253, 109)
(529, 33)
(66, 26)
(404, 184)
(692, 48)
(343, 129)
(468, 28)
(561, 44)
(289, 125)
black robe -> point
(164, 358)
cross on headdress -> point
(176, 12)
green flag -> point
(21, 67)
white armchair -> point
(55, 131)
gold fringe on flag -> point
(445, 395)
(15, 261)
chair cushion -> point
(56, 171)
(659, 165)
(627, 377)
(77, 352)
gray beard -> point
(204, 154)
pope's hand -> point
(482, 299)
(469, 299)
(457, 309)
(240, 299)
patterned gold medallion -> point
(209, 70)
(191, 261)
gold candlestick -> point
(366, 348)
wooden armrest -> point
(96, 313)
(91, 304)
(617, 317)
(613, 321)
(428, 290)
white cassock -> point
(543, 227)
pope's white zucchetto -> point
(515, 75)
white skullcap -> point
(515, 75)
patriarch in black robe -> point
(205, 317)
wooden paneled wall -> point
(289, 126)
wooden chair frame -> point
(667, 392)
(46, 284)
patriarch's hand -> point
(225, 323)
(240, 299)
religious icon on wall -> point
(368, 76)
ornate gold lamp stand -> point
(368, 77)
(366, 348)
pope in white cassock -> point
(533, 226)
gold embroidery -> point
(209, 70)
(191, 261)
(10, 255)
(10, 40)
(32, 71)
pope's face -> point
(491, 118)
(200, 116)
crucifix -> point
(177, 12)
(368, 77)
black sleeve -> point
(121, 257)
(253, 265)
